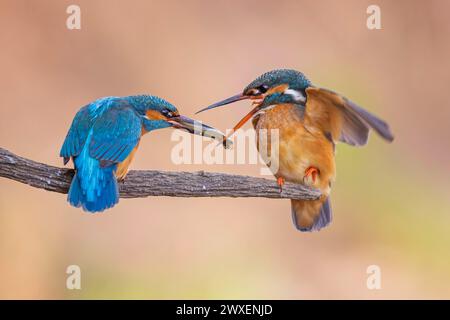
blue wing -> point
(78, 132)
(115, 133)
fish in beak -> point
(196, 127)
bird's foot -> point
(311, 174)
(280, 183)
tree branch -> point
(140, 184)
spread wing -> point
(341, 118)
(115, 134)
(78, 132)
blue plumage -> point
(94, 187)
(294, 79)
(102, 135)
(115, 134)
(81, 126)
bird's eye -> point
(263, 88)
(258, 90)
(167, 113)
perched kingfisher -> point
(103, 140)
(310, 121)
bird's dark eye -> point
(167, 113)
(257, 90)
(263, 88)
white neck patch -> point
(296, 95)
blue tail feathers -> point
(96, 199)
(104, 197)
(94, 188)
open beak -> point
(196, 127)
(238, 97)
(247, 117)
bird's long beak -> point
(196, 127)
(229, 100)
(235, 98)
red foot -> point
(280, 182)
(313, 172)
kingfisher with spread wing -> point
(103, 140)
(310, 120)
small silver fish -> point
(197, 127)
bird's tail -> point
(311, 215)
(93, 187)
(105, 198)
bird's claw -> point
(280, 182)
(311, 172)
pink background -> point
(391, 202)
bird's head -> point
(158, 113)
(271, 88)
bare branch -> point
(140, 184)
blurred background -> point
(391, 201)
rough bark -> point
(144, 183)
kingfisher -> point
(310, 121)
(104, 137)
